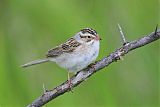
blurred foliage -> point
(28, 28)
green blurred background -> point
(28, 28)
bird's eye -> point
(89, 36)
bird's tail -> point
(35, 62)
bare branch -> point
(89, 71)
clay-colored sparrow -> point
(76, 53)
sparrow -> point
(75, 54)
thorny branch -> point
(49, 95)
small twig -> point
(122, 35)
(89, 71)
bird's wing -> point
(67, 47)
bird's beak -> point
(97, 38)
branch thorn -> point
(44, 89)
(155, 32)
(122, 35)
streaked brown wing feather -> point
(67, 47)
(54, 52)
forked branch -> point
(49, 95)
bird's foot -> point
(70, 85)
(92, 65)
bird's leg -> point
(70, 83)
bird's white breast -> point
(78, 59)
